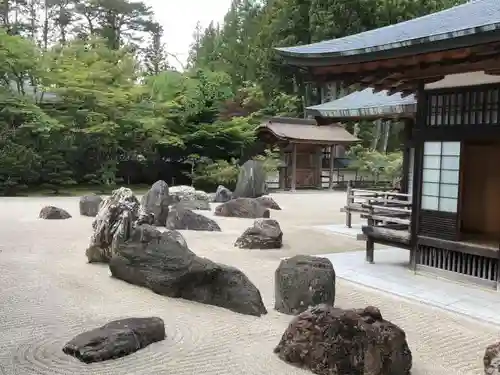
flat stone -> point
(115, 339)
(242, 207)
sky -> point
(179, 18)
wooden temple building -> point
(303, 144)
(320, 140)
(450, 61)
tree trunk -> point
(376, 137)
(387, 132)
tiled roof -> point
(366, 103)
(307, 130)
(467, 19)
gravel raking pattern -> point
(48, 294)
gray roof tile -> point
(470, 18)
(366, 103)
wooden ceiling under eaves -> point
(403, 74)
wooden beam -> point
(293, 183)
(330, 172)
(319, 166)
(451, 62)
(281, 171)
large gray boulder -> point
(491, 359)
(263, 234)
(115, 339)
(333, 341)
(223, 194)
(180, 218)
(158, 261)
(53, 213)
(89, 205)
(242, 207)
(156, 201)
(190, 198)
(251, 180)
(302, 281)
(114, 222)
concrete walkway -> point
(48, 294)
(390, 274)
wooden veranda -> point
(450, 61)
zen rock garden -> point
(139, 240)
(141, 243)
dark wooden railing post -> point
(498, 269)
(350, 201)
(370, 244)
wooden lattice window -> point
(464, 107)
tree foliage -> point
(87, 94)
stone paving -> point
(48, 293)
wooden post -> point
(370, 244)
(319, 166)
(418, 147)
(498, 269)
(282, 170)
(406, 156)
(330, 172)
(293, 184)
(350, 201)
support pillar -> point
(405, 187)
(282, 170)
(319, 167)
(330, 172)
(293, 183)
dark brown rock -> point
(156, 201)
(159, 261)
(53, 213)
(303, 281)
(180, 218)
(242, 207)
(115, 339)
(268, 202)
(491, 359)
(333, 341)
(263, 234)
(89, 205)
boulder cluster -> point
(141, 243)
